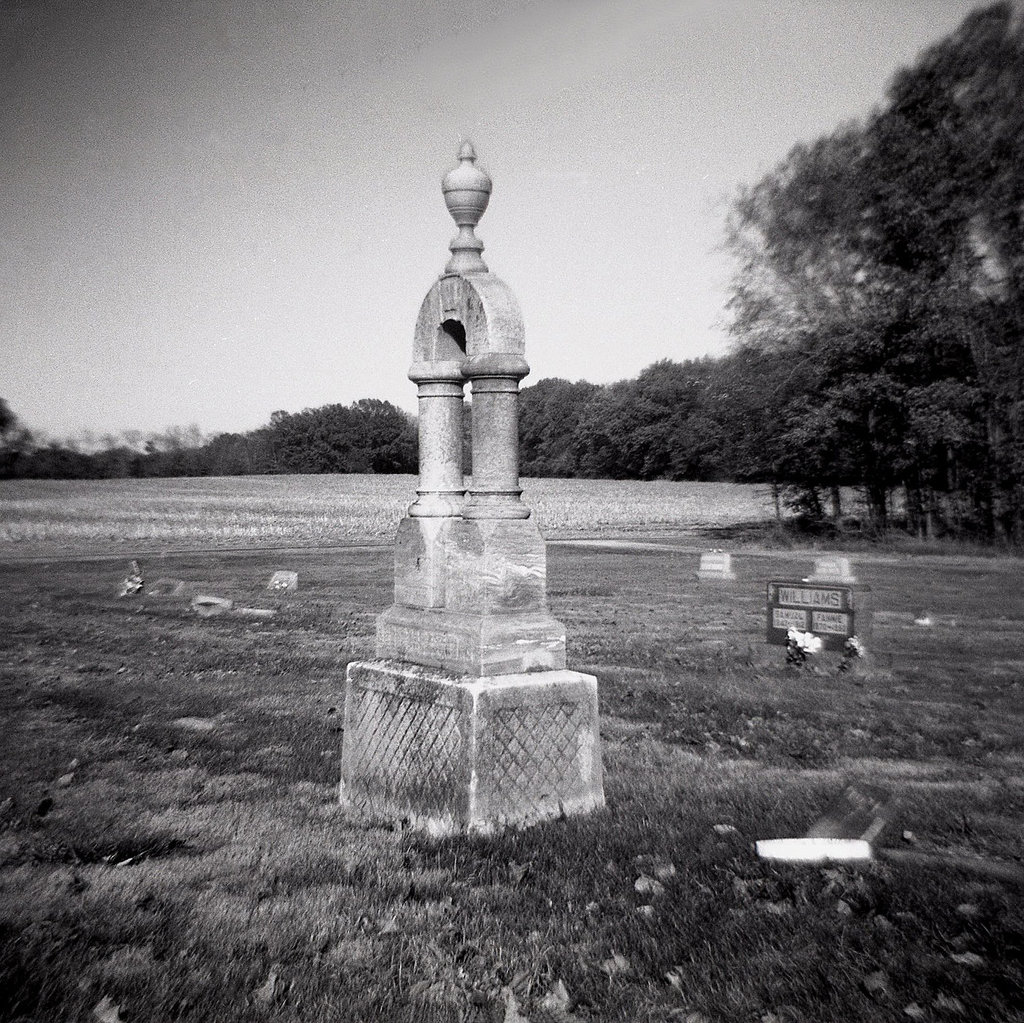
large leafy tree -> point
(886, 260)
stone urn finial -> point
(467, 190)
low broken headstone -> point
(284, 582)
(207, 606)
(133, 582)
(716, 566)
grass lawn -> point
(171, 847)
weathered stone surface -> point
(421, 561)
(493, 644)
(496, 566)
(469, 754)
(716, 566)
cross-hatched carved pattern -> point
(401, 746)
(535, 756)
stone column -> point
(441, 489)
(495, 493)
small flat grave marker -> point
(833, 611)
(716, 565)
(832, 569)
(284, 582)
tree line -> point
(877, 321)
(368, 436)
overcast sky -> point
(212, 209)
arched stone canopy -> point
(485, 307)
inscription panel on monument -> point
(408, 643)
(830, 611)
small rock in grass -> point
(646, 911)
(968, 909)
(66, 779)
(726, 829)
(516, 872)
(207, 606)
(616, 964)
(105, 1011)
(843, 908)
(73, 764)
(971, 959)
(512, 1013)
(876, 983)
(655, 866)
(556, 1001)
(648, 885)
(910, 837)
(914, 1011)
(265, 995)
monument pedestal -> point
(450, 753)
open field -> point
(171, 842)
(46, 515)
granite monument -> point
(468, 719)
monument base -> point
(463, 754)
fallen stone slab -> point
(813, 850)
(195, 724)
(254, 612)
(207, 606)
